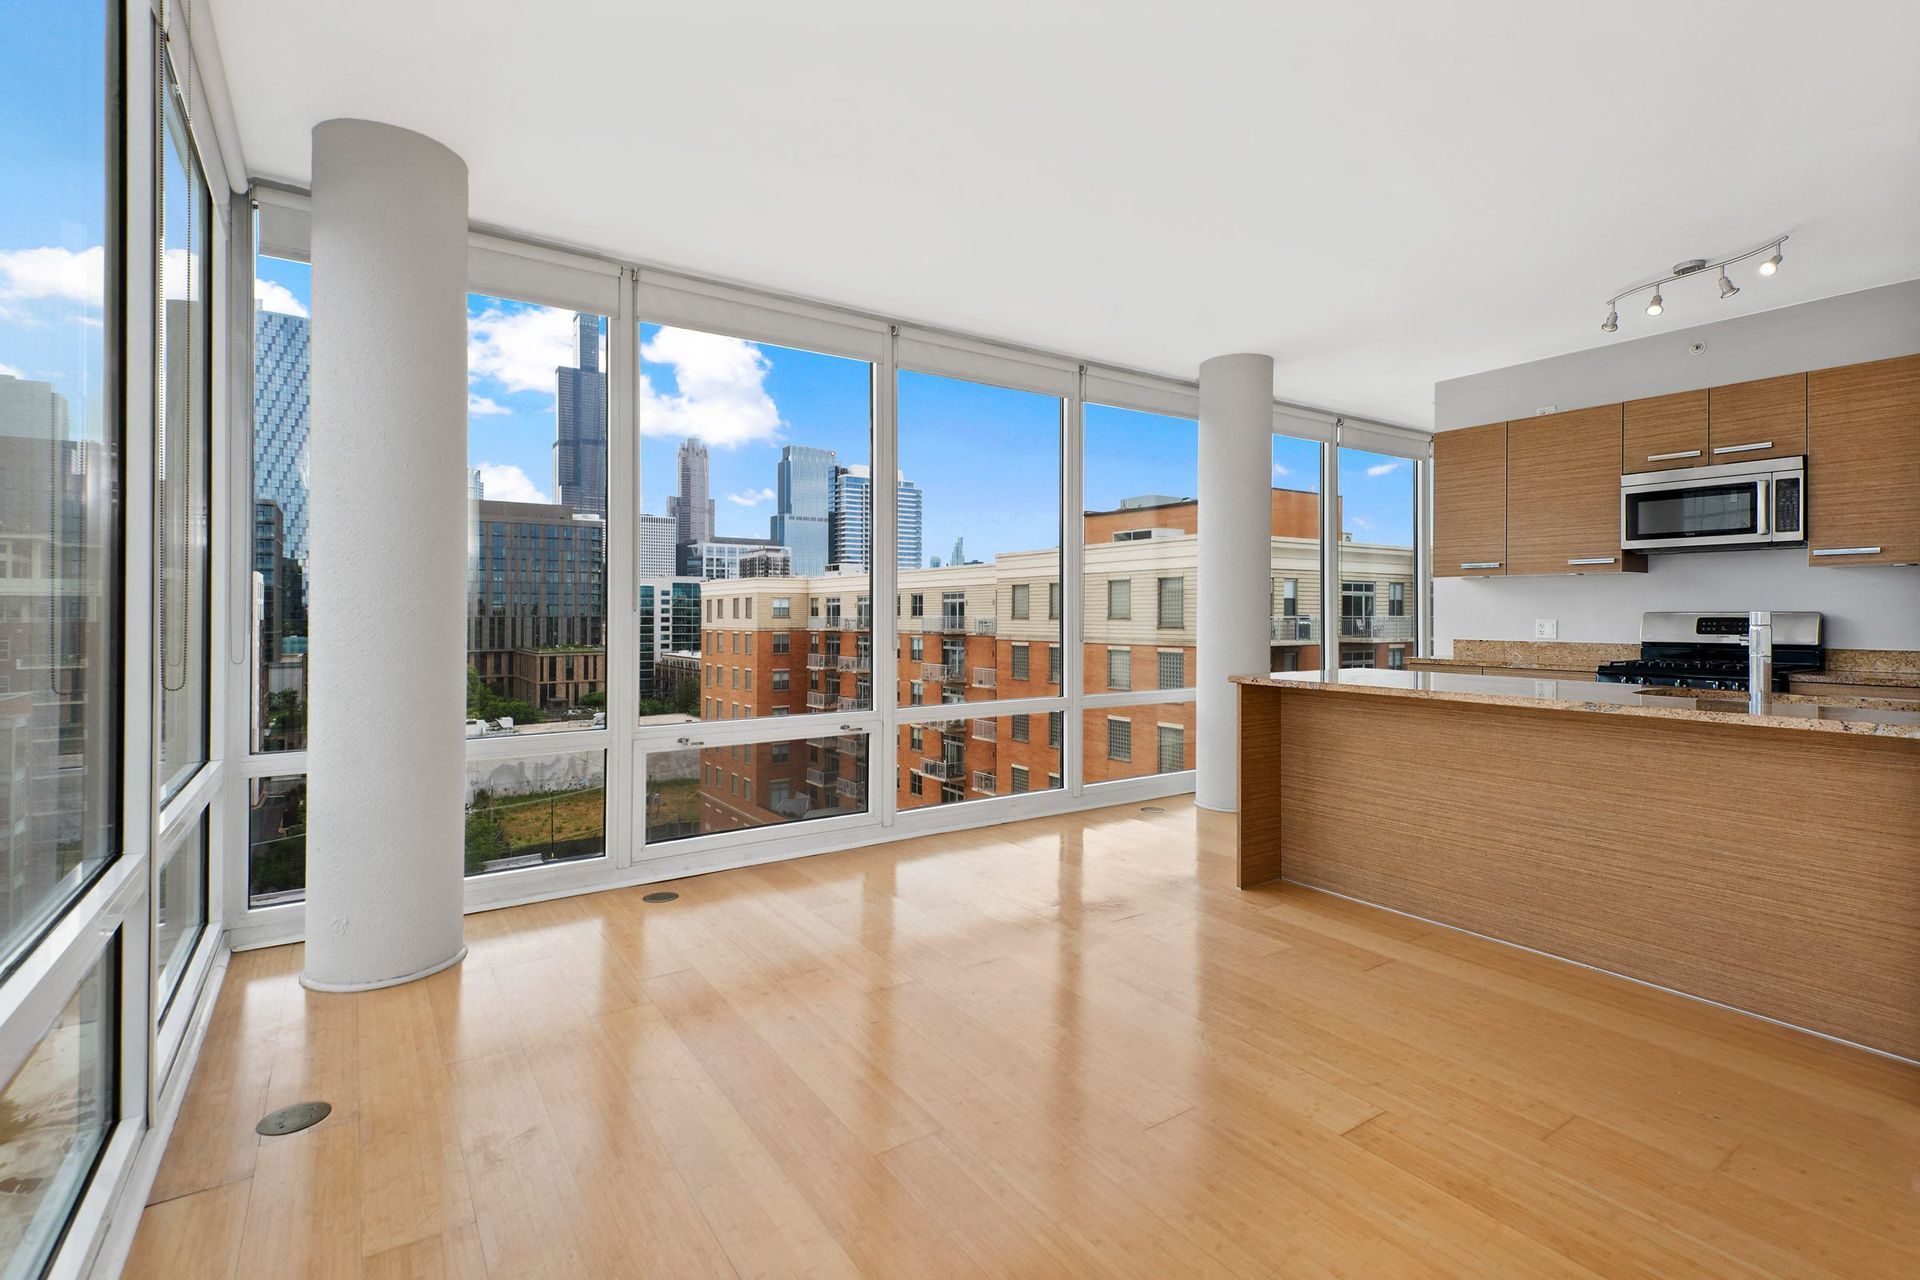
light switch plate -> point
(1546, 628)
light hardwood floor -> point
(1066, 1047)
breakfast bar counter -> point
(1770, 862)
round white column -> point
(1236, 525)
(386, 754)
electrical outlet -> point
(1546, 628)
(1545, 410)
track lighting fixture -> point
(1694, 266)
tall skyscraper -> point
(580, 423)
(850, 519)
(691, 508)
(802, 499)
(280, 423)
(657, 557)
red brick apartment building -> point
(975, 633)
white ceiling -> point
(1379, 195)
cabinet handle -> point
(1593, 560)
(1669, 457)
(1480, 564)
(1847, 551)
(1743, 448)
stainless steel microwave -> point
(1738, 504)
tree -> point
(484, 704)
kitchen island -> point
(1770, 863)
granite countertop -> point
(1584, 695)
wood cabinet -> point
(1764, 419)
(1863, 463)
(1664, 432)
(1470, 502)
(1563, 494)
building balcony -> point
(953, 622)
(984, 626)
(1377, 628)
(848, 786)
(1295, 630)
(985, 730)
(823, 624)
(942, 770)
(943, 672)
(821, 778)
(819, 662)
(822, 700)
(984, 782)
(856, 662)
(984, 677)
(849, 743)
(857, 703)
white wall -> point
(1865, 608)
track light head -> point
(1612, 322)
(1727, 287)
(1772, 264)
(1656, 304)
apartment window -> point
(1172, 604)
(783, 606)
(1396, 658)
(777, 752)
(782, 680)
(1055, 720)
(917, 648)
(782, 643)
(1396, 599)
(1119, 738)
(1356, 656)
(1119, 599)
(1020, 602)
(736, 608)
(276, 840)
(1053, 601)
(534, 810)
(778, 792)
(543, 428)
(917, 605)
(1119, 668)
(1019, 728)
(182, 453)
(1019, 775)
(1172, 671)
(1017, 661)
(915, 739)
(1290, 598)
(1053, 664)
(1173, 749)
(914, 785)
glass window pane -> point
(183, 427)
(59, 437)
(533, 810)
(55, 1115)
(952, 761)
(537, 524)
(988, 461)
(276, 841)
(756, 499)
(282, 296)
(1136, 742)
(1142, 525)
(1376, 558)
(180, 910)
(1295, 626)
(701, 790)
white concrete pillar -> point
(387, 450)
(1236, 523)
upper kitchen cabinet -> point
(1764, 419)
(1665, 432)
(1563, 494)
(1470, 502)
(1863, 463)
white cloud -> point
(1362, 523)
(51, 274)
(1386, 468)
(481, 406)
(504, 482)
(721, 392)
(8, 371)
(276, 297)
(520, 349)
(1281, 470)
(750, 497)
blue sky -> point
(52, 94)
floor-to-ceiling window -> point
(981, 605)
(282, 321)
(1295, 633)
(1377, 530)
